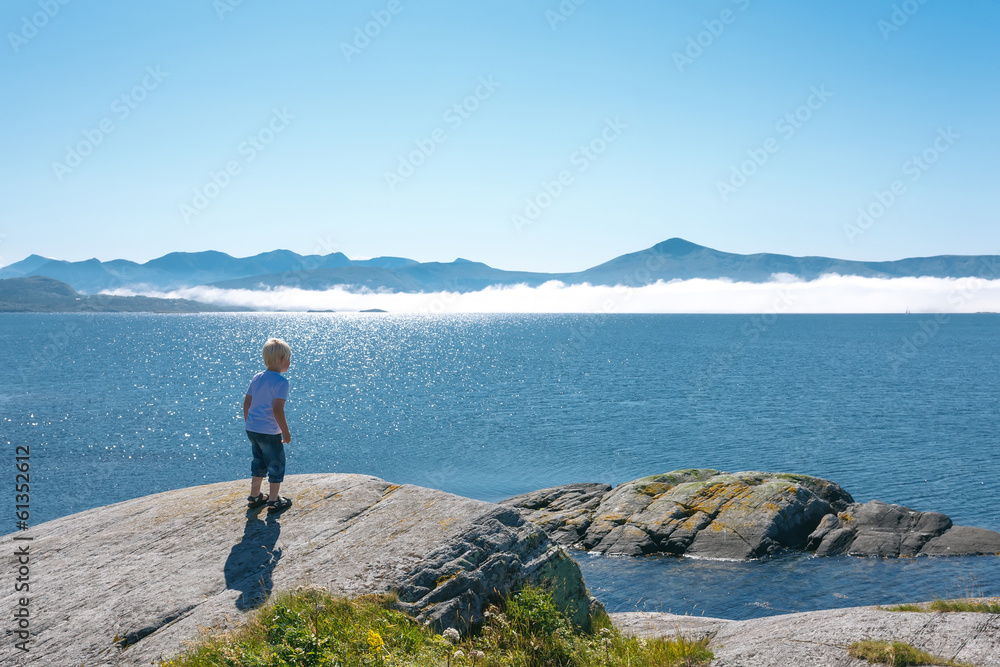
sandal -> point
(279, 504)
(256, 501)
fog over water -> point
(783, 294)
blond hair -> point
(276, 351)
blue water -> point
(789, 583)
(901, 408)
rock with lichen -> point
(699, 512)
(709, 514)
(744, 515)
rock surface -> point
(877, 529)
(128, 583)
(564, 512)
(711, 514)
(821, 638)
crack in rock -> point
(134, 637)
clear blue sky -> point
(678, 128)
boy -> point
(264, 414)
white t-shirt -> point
(264, 388)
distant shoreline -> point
(38, 294)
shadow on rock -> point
(251, 561)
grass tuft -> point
(896, 654)
(311, 627)
(965, 605)
(970, 606)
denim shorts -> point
(268, 456)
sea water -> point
(905, 409)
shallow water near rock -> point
(794, 582)
(489, 406)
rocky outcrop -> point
(821, 638)
(564, 512)
(711, 514)
(128, 583)
(878, 529)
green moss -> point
(896, 654)
(793, 477)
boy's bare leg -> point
(255, 486)
(273, 490)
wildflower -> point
(458, 654)
(476, 656)
(375, 642)
(310, 588)
(451, 634)
(605, 632)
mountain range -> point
(672, 259)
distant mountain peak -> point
(280, 252)
(25, 266)
(677, 246)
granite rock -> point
(821, 638)
(700, 512)
(129, 583)
(564, 512)
(879, 529)
(712, 514)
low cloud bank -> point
(783, 294)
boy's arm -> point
(246, 406)
(278, 407)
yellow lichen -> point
(653, 489)
(445, 578)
